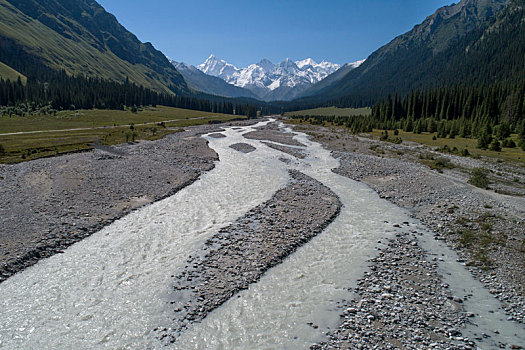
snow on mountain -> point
(264, 77)
(355, 64)
(209, 84)
(306, 62)
(218, 68)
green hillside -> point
(79, 37)
(472, 42)
(7, 72)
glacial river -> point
(111, 290)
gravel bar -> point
(402, 303)
(239, 254)
(271, 132)
(243, 147)
(297, 153)
(484, 227)
(49, 204)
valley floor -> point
(48, 204)
(484, 227)
(403, 300)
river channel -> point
(111, 290)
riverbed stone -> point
(239, 254)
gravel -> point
(484, 227)
(49, 204)
(271, 132)
(297, 153)
(401, 303)
(243, 147)
(239, 254)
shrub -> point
(495, 146)
(438, 164)
(508, 143)
(443, 162)
(466, 237)
(2, 149)
(479, 177)
(396, 140)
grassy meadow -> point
(515, 154)
(106, 127)
(7, 72)
(329, 111)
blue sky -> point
(244, 31)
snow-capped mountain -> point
(269, 81)
(209, 84)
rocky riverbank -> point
(239, 254)
(272, 132)
(401, 303)
(49, 204)
(484, 227)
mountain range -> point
(285, 80)
(210, 84)
(81, 38)
(471, 42)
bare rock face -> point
(239, 254)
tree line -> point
(59, 91)
(488, 114)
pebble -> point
(239, 254)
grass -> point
(478, 236)
(508, 154)
(438, 164)
(7, 72)
(329, 111)
(479, 177)
(377, 149)
(99, 118)
(22, 147)
(75, 54)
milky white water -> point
(110, 290)
(276, 311)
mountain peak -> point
(306, 62)
(216, 67)
(268, 80)
(356, 63)
(265, 60)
